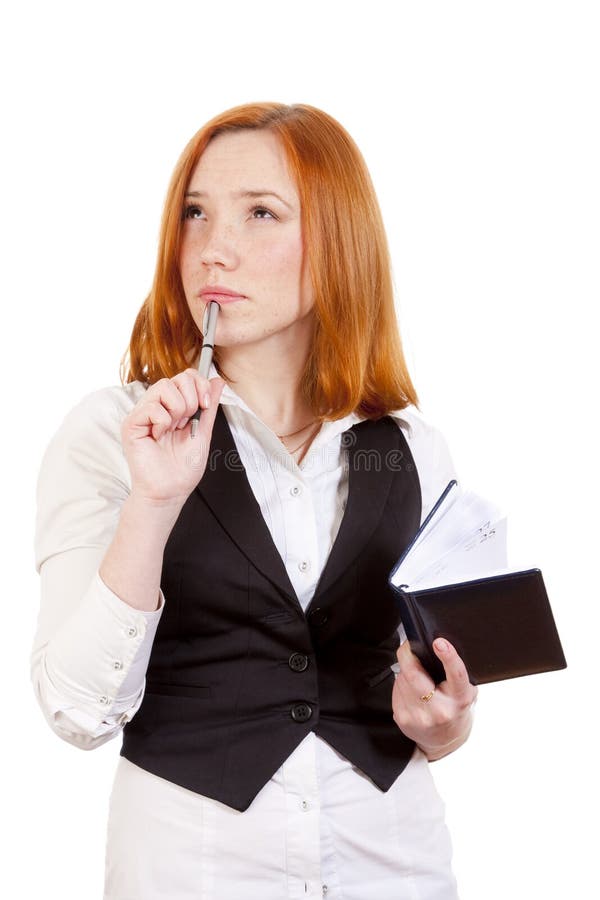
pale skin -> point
(252, 245)
(440, 725)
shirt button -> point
(296, 490)
(104, 700)
(304, 566)
(325, 889)
(117, 664)
(301, 712)
(132, 631)
(304, 804)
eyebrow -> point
(246, 194)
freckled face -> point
(242, 231)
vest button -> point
(318, 617)
(301, 712)
(298, 662)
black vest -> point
(239, 673)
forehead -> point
(243, 159)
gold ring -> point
(427, 697)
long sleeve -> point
(91, 649)
(430, 453)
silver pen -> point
(209, 324)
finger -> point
(151, 417)
(201, 387)
(210, 409)
(404, 653)
(407, 658)
(204, 390)
(181, 396)
(457, 677)
(196, 389)
(196, 392)
(191, 389)
(412, 673)
(168, 393)
(408, 708)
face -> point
(242, 232)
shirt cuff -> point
(96, 664)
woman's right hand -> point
(165, 463)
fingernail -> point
(441, 645)
(206, 400)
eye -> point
(264, 212)
(192, 211)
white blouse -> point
(319, 827)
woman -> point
(222, 600)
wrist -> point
(157, 509)
(132, 565)
(437, 751)
(151, 521)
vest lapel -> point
(374, 455)
(225, 488)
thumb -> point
(208, 413)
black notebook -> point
(453, 581)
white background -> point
(479, 122)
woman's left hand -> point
(436, 717)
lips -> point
(219, 293)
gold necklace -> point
(292, 433)
(304, 442)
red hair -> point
(356, 361)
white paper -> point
(465, 540)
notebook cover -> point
(501, 626)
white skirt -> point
(319, 828)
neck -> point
(267, 378)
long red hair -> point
(356, 362)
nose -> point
(219, 247)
